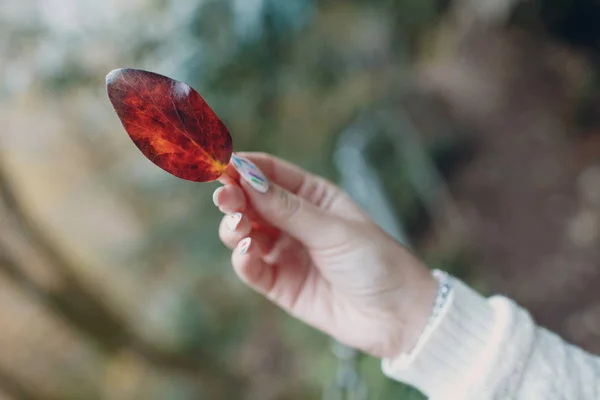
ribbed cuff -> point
(455, 355)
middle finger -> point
(233, 228)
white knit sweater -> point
(491, 349)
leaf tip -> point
(113, 75)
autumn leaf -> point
(171, 124)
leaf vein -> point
(206, 154)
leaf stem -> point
(226, 178)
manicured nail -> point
(232, 221)
(216, 193)
(250, 173)
(244, 245)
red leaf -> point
(171, 124)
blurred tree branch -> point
(77, 302)
(82, 308)
(18, 390)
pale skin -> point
(316, 255)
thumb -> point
(285, 210)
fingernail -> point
(244, 245)
(215, 194)
(232, 221)
(250, 173)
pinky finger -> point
(250, 266)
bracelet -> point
(443, 294)
(440, 305)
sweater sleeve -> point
(491, 349)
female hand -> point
(303, 243)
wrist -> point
(418, 301)
(455, 351)
(419, 315)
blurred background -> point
(468, 128)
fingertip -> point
(233, 228)
(244, 258)
(244, 245)
(250, 173)
(230, 199)
(216, 194)
(232, 221)
(250, 267)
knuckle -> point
(320, 192)
(262, 154)
(289, 206)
